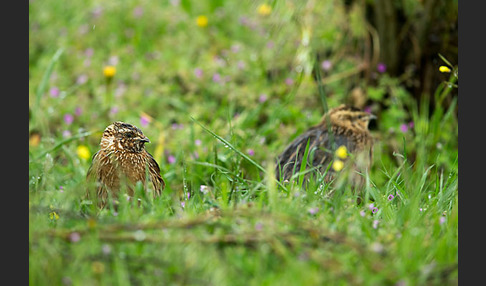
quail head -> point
(341, 126)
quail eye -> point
(128, 135)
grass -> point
(219, 103)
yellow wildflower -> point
(342, 152)
(264, 9)
(109, 71)
(337, 165)
(53, 216)
(444, 69)
(202, 21)
(98, 267)
(83, 152)
(34, 139)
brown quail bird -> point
(121, 162)
(349, 127)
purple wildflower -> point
(442, 219)
(183, 204)
(89, 52)
(198, 72)
(240, 65)
(374, 210)
(390, 197)
(367, 109)
(114, 110)
(326, 65)
(259, 226)
(54, 92)
(106, 249)
(66, 133)
(204, 189)
(171, 159)
(404, 128)
(78, 111)
(251, 152)
(61, 189)
(235, 48)
(313, 210)
(68, 118)
(362, 213)
(138, 12)
(262, 98)
(289, 81)
(270, 44)
(197, 142)
(411, 124)
(144, 120)
(82, 79)
(217, 77)
(375, 223)
(381, 67)
(176, 126)
(74, 237)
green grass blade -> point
(234, 149)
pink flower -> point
(78, 111)
(68, 118)
(89, 52)
(66, 133)
(258, 226)
(289, 81)
(313, 210)
(375, 223)
(262, 98)
(326, 65)
(217, 77)
(74, 237)
(404, 128)
(171, 159)
(82, 79)
(390, 197)
(144, 120)
(381, 67)
(442, 219)
(138, 12)
(54, 92)
(251, 152)
(240, 65)
(198, 72)
(114, 110)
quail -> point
(348, 127)
(121, 162)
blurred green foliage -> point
(249, 79)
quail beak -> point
(371, 116)
(144, 139)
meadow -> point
(220, 88)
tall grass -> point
(223, 219)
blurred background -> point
(255, 63)
(256, 74)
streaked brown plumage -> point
(349, 128)
(121, 162)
